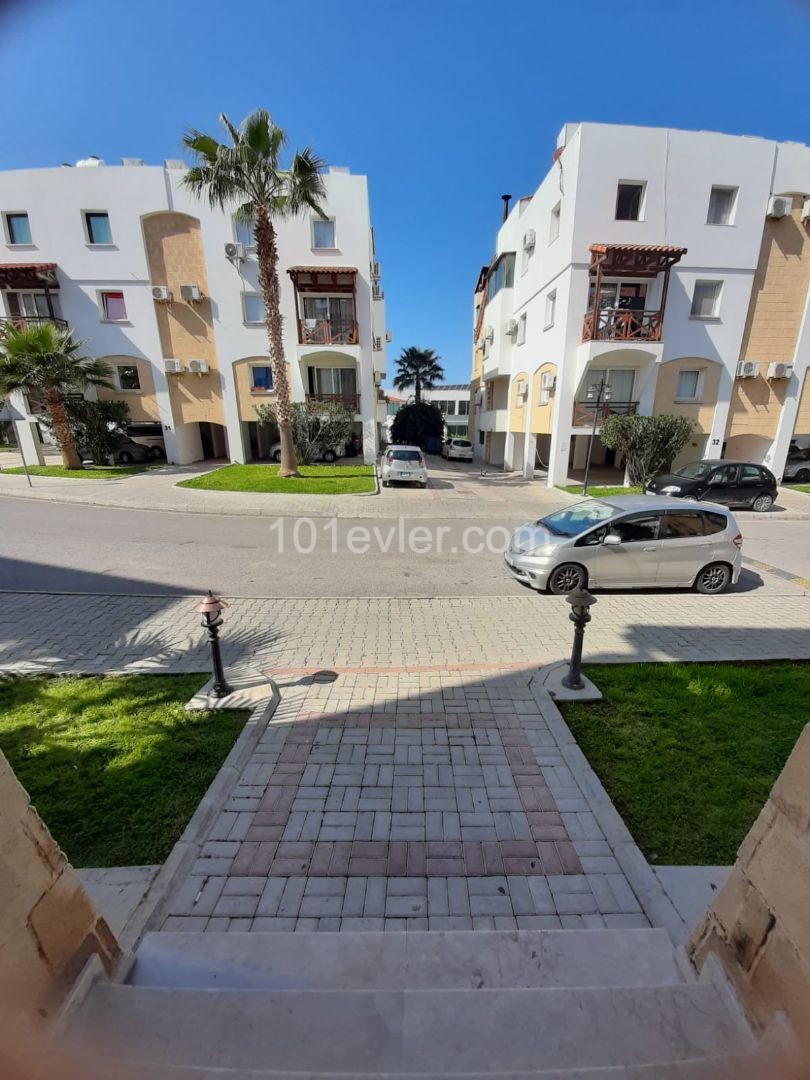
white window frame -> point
(260, 390)
(717, 301)
(245, 319)
(317, 218)
(554, 222)
(642, 204)
(551, 309)
(86, 226)
(102, 304)
(236, 226)
(521, 330)
(732, 214)
(127, 389)
(7, 229)
(698, 396)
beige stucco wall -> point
(143, 403)
(246, 400)
(518, 406)
(756, 403)
(175, 256)
(759, 924)
(48, 925)
(701, 412)
(542, 415)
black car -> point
(732, 483)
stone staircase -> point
(506, 1005)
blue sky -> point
(443, 104)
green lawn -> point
(802, 487)
(89, 472)
(4, 449)
(314, 479)
(689, 752)
(114, 765)
(598, 492)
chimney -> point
(505, 199)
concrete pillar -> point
(714, 444)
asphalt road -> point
(54, 547)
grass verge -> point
(89, 472)
(314, 479)
(689, 752)
(114, 764)
(599, 492)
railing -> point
(21, 321)
(622, 324)
(327, 332)
(584, 411)
(350, 401)
(377, 293)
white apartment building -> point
(454, 401)
(166, 290)
(674, 267)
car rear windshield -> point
(405, 455)
(577, 518)
(461, 442)
(694, 470)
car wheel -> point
(157, 453)
(125, 458)
(714, 578)
(564, 579)
(330, 455)
(762, 503)
(423, 484)
(276, 456)
(386, 483)
(802, 476)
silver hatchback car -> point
(629, 542)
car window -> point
(575, 519)
(751, 472)
(727, 474)
(404, 455)
(461, 442)
(681, 524)
(637, 529)
(694, 470)
(715, 523)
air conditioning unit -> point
(377, 344)
(235, 252)
(172, 367)
(511, 327)
(529, 239)
(547, 380)
(388, 336)
(806, 210)
(375, 270)
(489, 334)
(779, 206)
(780, 371)
(198, 367)
(161, 293)
(747, 369)
(190, 294)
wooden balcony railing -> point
(21, 321)
(584, 411)
(350, 401)
(622, 324)
(327, 332)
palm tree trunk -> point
(417, 390)
(61, 430)
(267, 253)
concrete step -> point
(413, 960)
(451, 1032)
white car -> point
(404, 464)
(457, 450)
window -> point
(502, 275)
(335, 312)
(706, 299)
(551, 307)
(727, 474)
(688, 388)
(18, 229)
(554, 224)
(683, 524)
(113, 307)
(722, 203)
(243, 231)
(637, 530)
(29, 305)
(629, 200)
(97, 225)
(521, 333)
(715, 522)
(464, 408)
(128, 378)
(252, 307)
(323, 233)
(449, 408)
(750, 474)
(261, 379)
(481, 437)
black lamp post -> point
(602, 392)
(210, 607)
(580, 601)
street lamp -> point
(210, 607)
(602, 392)
(580, 600)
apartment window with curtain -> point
(97, 227)
(128, 378)
(554, 224)
(323, 233)
(18, 228)
(551, 309)
(722, 202)
(706, 299)
(261, 378)
(688, 386)
(252, 307)
(113, 308)
(629, 201)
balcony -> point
(22, 321)
(327, 332)
(493, 420)
(622, 324)
(348, 401)
(584, 412)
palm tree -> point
(419, 368)
(45, 362)
(248, 171)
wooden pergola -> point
(631, 261)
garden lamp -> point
(581, 601)
(211, 607)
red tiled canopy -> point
(634, 260)
(28, 275)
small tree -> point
(649, 444)
(416, 423)
(317, 426)
(96, 426)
